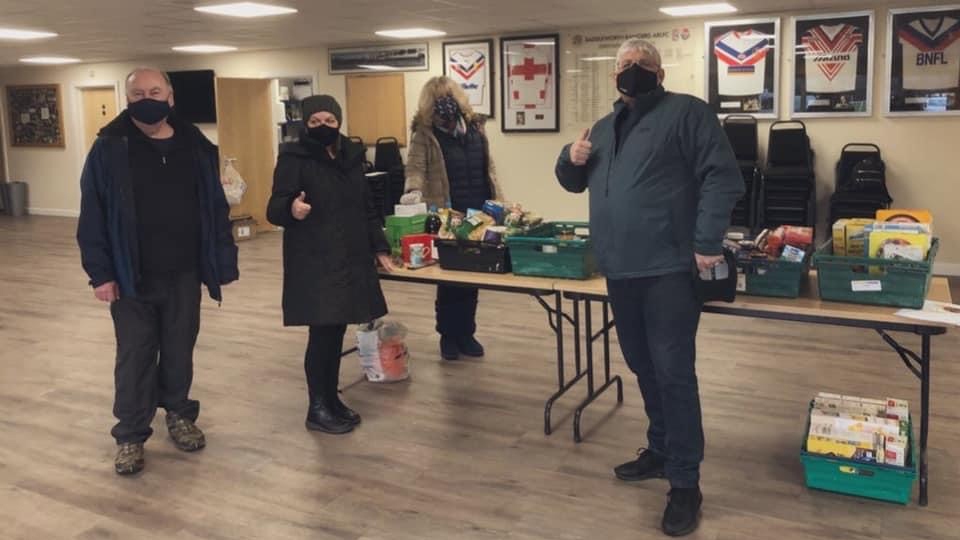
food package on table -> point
(800, 237)
(383, 352)
(233, 184)
(450, 221)
(495, 209)
(472, 228)
(514, 217)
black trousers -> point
(456, 311)
(321, 362)
(657, 320)
(156, 333)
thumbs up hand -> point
(580, 149)
(300, 209)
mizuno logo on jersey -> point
(831, 47)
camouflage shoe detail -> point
(129, 458)
(185, 434)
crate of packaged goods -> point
(860, 446)
(775, 263)
(473, 256)
(398, 227)
(556, 249)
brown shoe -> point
(129, 458)
(185, 434)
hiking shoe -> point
(682, 515)
(129, 458)
(469, 346)
(185, 434)
(648, 465)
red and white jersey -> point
(467, 67)
(830, 55)
(931, 54)
(741, 62)
(530, 76)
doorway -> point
(99, 108)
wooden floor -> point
(458, 452)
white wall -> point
(919, 151)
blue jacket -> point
(107, 232)
(668, 193)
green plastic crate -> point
(778, 278)
(865, 280)
(398, 227)
(870, 480)
(539, 253)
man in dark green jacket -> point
(663, 181)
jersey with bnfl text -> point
(741, 62)
(467, 68)
(931, 53)
(830, 55)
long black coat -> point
(329, 272)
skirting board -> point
(57, 212)
(946, 269)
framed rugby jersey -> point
(833, 65)
(529, 89)
(742, 65)
(923, 61)
(470, 64)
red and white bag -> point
(383, 351)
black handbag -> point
(717, 284)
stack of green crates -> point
(539, 252)
(871, 480)
(398, 227)
(865, 280)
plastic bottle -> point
(433, 222)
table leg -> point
(924, 414)
(592, 392)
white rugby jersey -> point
(831, 53)
(467, 68)
(530, 74)
(931, 53)
(741, 62)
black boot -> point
(449, 349)
(339, 408)
(321, 416)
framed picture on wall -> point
(923, 61)
(742, 66)
(529, 85)
(470, 64)
(36, 115)
(404, 57)
(833, 65)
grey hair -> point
(643, 46)
(139, 70)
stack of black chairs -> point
(788, 193)
(388, 160)
(860, 188)
(741, 130)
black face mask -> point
(149, 111)
(324, 134)
(636, 80)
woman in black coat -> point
(331, 239)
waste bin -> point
(17, 198)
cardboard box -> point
(904, 215)
(862, 449)
(839, 422)
(840, 237)
(856, 238)
(895, 450)
(898, 409)
(409, 210)
(244, 228)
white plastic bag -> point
(233, 185)
(383, 353)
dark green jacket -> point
(668, 193)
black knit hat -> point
(323, 103)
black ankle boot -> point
(321, 416)
(332, 388)
(345, 413)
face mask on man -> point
(324, 134)
(636, 80)
(149, 111)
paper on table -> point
(934, 312)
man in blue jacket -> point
(663, 181)
(154, 225)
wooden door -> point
(99, 108)
(245, 132)
(376, 107)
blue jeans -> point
(657, 320)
